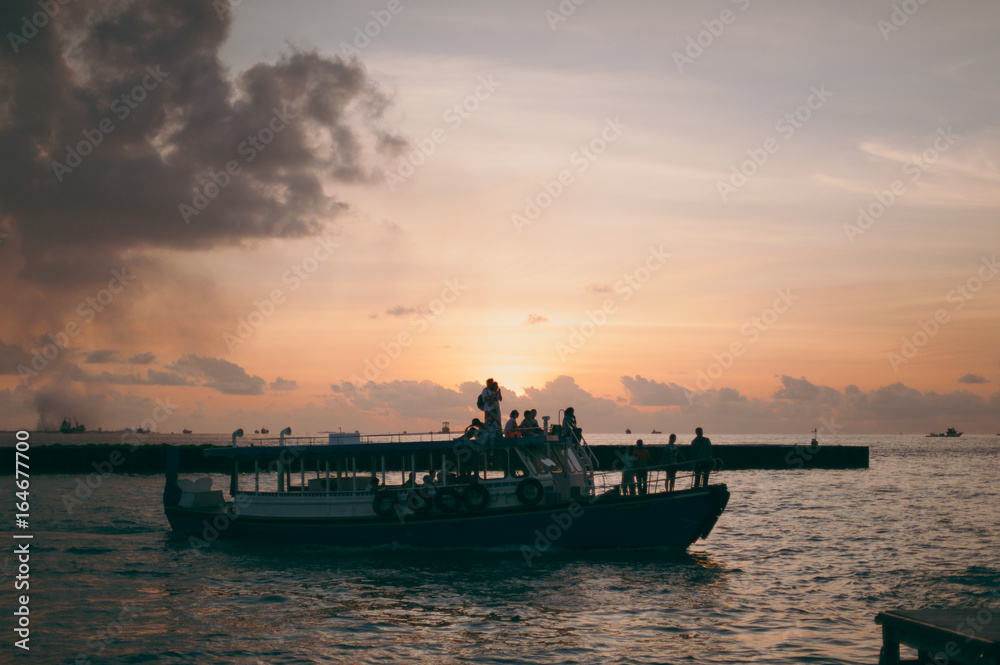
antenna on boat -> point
(288, 431)
(236, 435)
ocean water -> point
(795, 571)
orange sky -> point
(554, 202)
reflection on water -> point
(796, 570)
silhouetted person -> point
(671, 457)
(473, 430)
(510, 427)
(491, 399)
(529, 426)
(701, 449)
(372, 483)
(569, 423)
(628, 472)
(640, 458)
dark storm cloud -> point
(139, 87)
(222, 375)
(12, 356)
(143, 358)
(973, 379)
(101, 356)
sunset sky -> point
(751, 216)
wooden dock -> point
(965, 636)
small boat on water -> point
(951, 433)
(656, 431)
(424, 490)
(186, 431)
(445, 427)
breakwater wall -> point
(151, 459)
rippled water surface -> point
(795, 571)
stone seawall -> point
(151, 459)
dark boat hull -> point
(675, 519)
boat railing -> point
(347, 437)
(656, 478)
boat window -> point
(532, 460)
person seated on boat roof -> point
(473, 430)
(411, 482)
(428, 480)
(569, 423)
(372, 483)
(510, 427)
(529, 424)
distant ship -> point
(186, 431)
(263, 430)
(951, 433)
(628, 431)
(71, 428)
(445, 429)
(656, 431)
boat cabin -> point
(415, 473)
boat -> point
(74, 427)
(354, 490)
(185, 431)
(656, 431)
(628, 431)
(445, 427)
(951, 433)
(263, 430)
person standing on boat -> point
(640, 459)
(628, 472)
(491, 399)
(510, 427)
(671, 457)
(701, 448)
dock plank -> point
(956, 635)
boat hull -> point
(674, 520)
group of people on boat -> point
(489, 403)
(636, 463)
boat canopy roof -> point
(327, 451)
